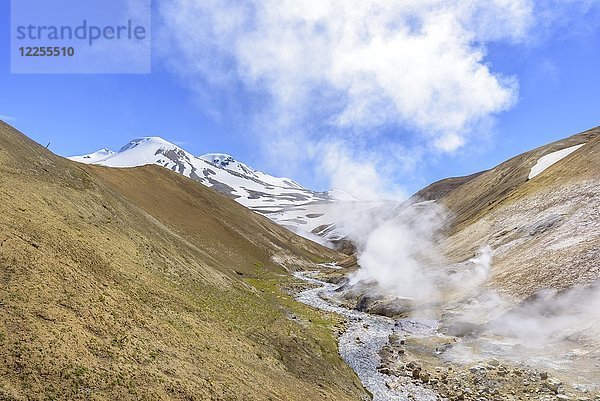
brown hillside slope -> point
(442, 187)
(545, 232)
(111, 292)
(193, 211)
(481, 194)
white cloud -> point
(348, 69)
(413, 62)
(361, 174)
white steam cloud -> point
(397, 248)
(396, 252)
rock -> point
(544, 375)
(553, 385)
(494, 362)
(546, 223)
(461, 328)
(424, 377)
(416, 373)
(562, 397)
(385, 371)
(476, 369)
(385, 306)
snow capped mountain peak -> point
(281, 199)
(154, 141)
(142, 151)
(227, 162)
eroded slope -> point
(544, 231)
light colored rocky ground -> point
(416, 361)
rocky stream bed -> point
(404, 359)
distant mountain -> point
(281, 199)
(440, 188)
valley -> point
(333, 200)
(123, 277)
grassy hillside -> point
(142, 284)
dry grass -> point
(142, 284)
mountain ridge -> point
(281, 199)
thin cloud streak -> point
(5, 117)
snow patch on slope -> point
(548, 160)
(227, 162)
(93, 157)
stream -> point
(364, 337)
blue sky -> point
(548, 74)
